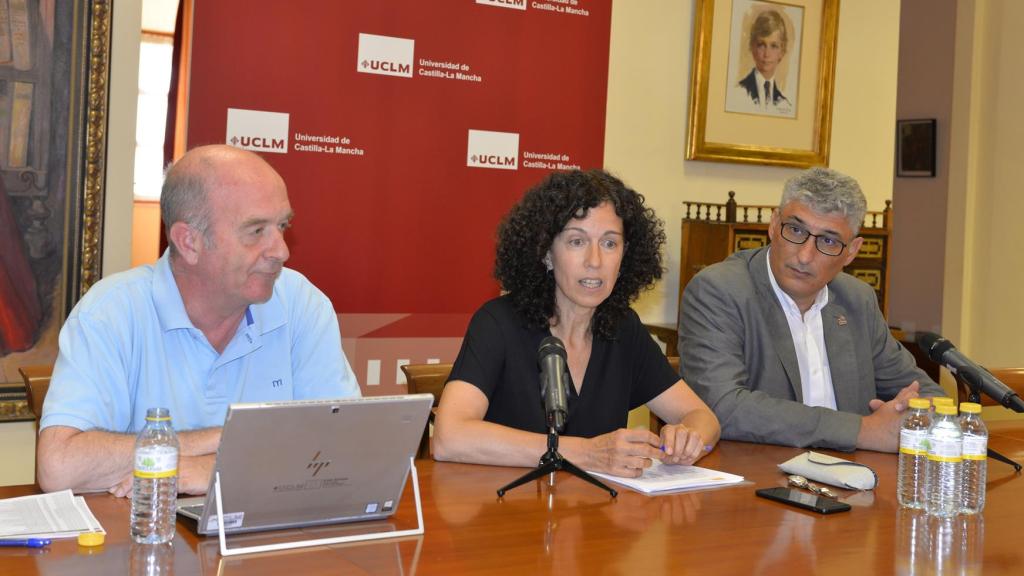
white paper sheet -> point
(673, 478)
(54, 515)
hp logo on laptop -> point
(316, 465)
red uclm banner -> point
(404, 129)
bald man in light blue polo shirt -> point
(217, 320)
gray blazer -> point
(736, 352)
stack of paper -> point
(56, 515)
(673, 478)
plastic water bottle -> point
(155, 489)
(942, 546)
(975, 451)
(944, 472)
(910, 481)
(151, 559)
(971, 528)
(911, 542)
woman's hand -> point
(623, 452)
(682, 445)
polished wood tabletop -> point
(575, 528)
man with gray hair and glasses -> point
(217, 320)
(788, 349)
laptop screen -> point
(303, 463)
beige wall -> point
(145, 232)
(924, 91)
(982, 310)
(648, 94)
(18, 453)
(121, 112)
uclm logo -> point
(514, 4)
(257, 130)
(385, 55)
(498, 150)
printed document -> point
(54, 515)
(673, 478)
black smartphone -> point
(804, 500)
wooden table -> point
(575, 528)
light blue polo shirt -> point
(129, 345)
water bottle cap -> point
(970, 407)
(945, 410)
(943, 401)
(919, 403)
(91, 539)
(158, 415)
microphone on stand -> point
(980, 380)
(554, 381)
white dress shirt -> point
(764, 95)
(809, 343)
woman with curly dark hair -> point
(572, 255)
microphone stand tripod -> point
(552, 462)
(975, 396)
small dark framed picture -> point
(915, 148)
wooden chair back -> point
(427, 379)
(1012, 377)
(656, 423)
(668, 335)
(37, 383)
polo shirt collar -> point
(268, 316)
(258, 320)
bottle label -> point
(156, 462)
(914, 442)
(944, 449)
(975, 447)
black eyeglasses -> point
(827, 245)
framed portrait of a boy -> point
(762, 80)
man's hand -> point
(623, 452)
(682, 445)
(123, 488)
(194, 474)
(881, 430)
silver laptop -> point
(304, 463)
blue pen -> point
(25, 543)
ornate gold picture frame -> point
(737, 113)
(54, 72)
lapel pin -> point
(841, 320)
